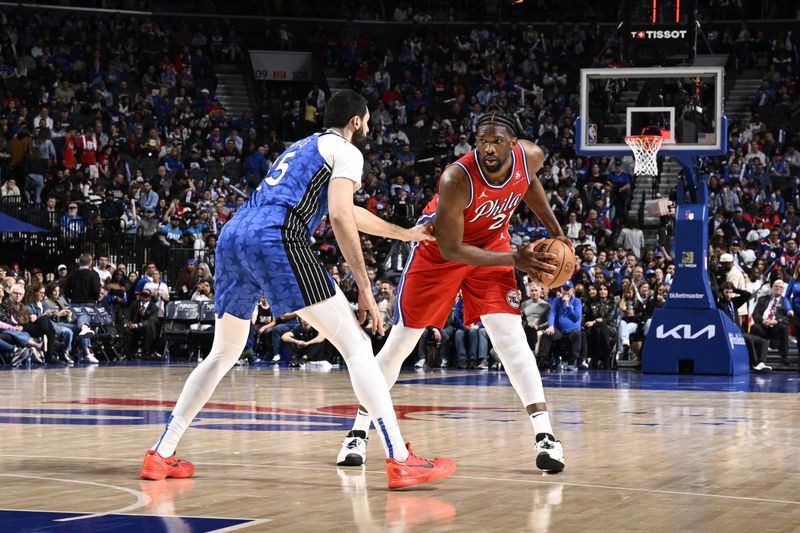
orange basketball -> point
(565, 260)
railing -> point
(67, 239)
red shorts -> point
(429, 288)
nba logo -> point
(592, 134)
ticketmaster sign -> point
(274, 65)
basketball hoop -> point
(645, 148)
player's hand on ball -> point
(421, 233)
(367, 305)
(566, 240)
(536, 263)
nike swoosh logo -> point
(429, 465)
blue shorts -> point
(257, 257)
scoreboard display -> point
(659, 32)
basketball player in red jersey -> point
(477, 196)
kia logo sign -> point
(684, 332)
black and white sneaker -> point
(354, 449)
(20, 356)
(549, 453)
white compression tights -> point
(399, 343)
(508, 339)
(230, 336)
(334, 319)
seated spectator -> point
(631, 310)
(159, 290)
(535, 312)
(564, 323)
(263, 323)
(729, 301)
(35, 326)
(284, 323)
(204, 292)
(771, 319)
(306, 345)
(141, 323)
(600, 319)
(186, 282)
(116, 294)
(471, 340)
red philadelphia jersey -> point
(490, 207)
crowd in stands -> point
(110, 125)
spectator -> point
(731, 299)
(102, 269)
(141, 324)
(535, 313)
(600, 319)
(263, 322)
(564, 323)
(82, 285)
(471, 340)
(18, 314)
(204, 292)
(306, 345)
(771, 319)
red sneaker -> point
(156, 467)
(416, 470)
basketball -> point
(565, 260)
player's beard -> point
(492, 167)
(359, 139)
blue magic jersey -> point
(265, 248)
(294, 193)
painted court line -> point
(142, 499)
(475, 478)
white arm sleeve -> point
(345, 160)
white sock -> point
(400, 342)
(362, 421)
(334, 319)
(230, 336)
(541, 423)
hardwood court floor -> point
(644, 453)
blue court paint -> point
(45, 522)
(777, 382)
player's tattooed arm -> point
(536, 198)
(372, 225)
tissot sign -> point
(659, 34)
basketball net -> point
(645, 148)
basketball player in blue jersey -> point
(265, 249)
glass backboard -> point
(682, 104)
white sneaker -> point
(276, 358)
(443, 363)
(550, 454)
(354, 449)
(483, 364)
(86, 331)
(91, 359)
(420, 364)
(761, 367)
